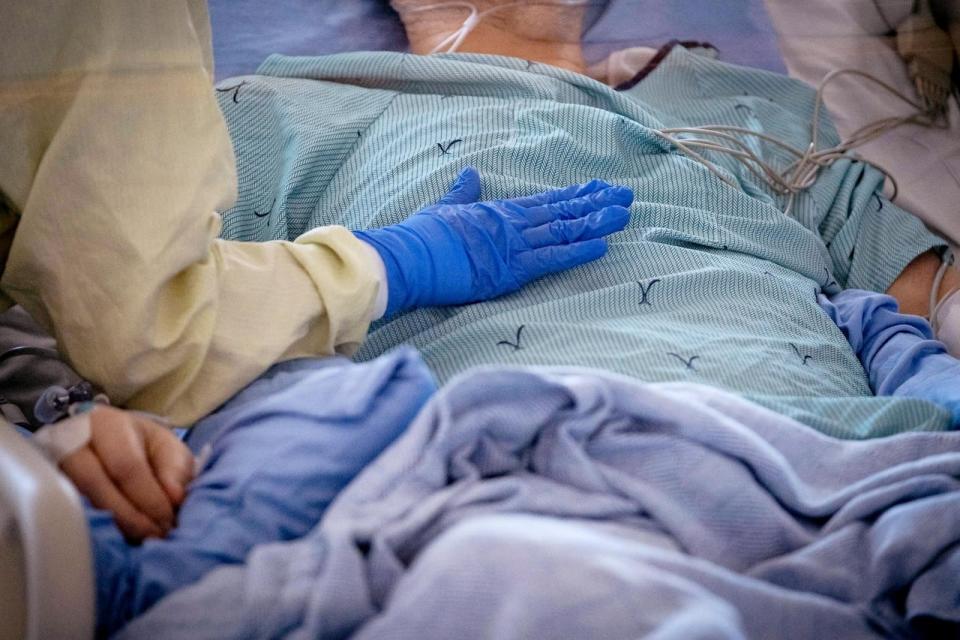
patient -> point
(708, 284)
(711, 281)
(550, 33)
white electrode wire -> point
(453, 41)
(745, 152)
(747, 158)
(802, 173)
(718, 129)
(798, 176)
(805, 170)
(456, 37)
(864, 135)
(946, 261)
(468, 25)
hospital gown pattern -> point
(709, 283)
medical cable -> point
(453, 41)
(946, 261)
(40, 352)
(798, 176)
(802, 173)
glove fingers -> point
(557, 195)
(595, 225)
(580, 206)
(465, 189)
(546, 260)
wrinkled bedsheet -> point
(566, 503)
(273, 458)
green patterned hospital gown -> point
(708, 283)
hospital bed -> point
(46, 582)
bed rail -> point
(46, 571)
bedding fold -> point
(575, 503)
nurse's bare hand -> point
(133, 467)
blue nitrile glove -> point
(459, 250)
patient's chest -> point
(706, 284)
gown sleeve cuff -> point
(377, 267)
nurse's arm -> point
(117, 157)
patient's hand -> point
(133, 467)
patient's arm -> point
(124, 463)
(912, 287)
(897, 350)
(279, 452)
(116, 155)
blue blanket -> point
(279, 451)
(570, 503)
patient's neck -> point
(549, 34)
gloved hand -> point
(459, 250)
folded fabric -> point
(280, 451)
(576, 504)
